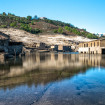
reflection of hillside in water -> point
(44, 68)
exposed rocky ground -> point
(55, 39)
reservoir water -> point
(53, 79)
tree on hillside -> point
(84, 29)
(27, 28)
(10, 14)
(91, 36)
(35, 17)
(32, 22)
(68, 28)
(60, 30)
(29, 17)
(4, 14)
(55, 31)
(13, 24)
(3, 26)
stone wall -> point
(60, 48)
(90, 50)
(102, 43)
(3, 45)
(94, 47)
(67, 48)
(15, 49)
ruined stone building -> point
(61, 48)
(4, 39)
(10, 47)
(93, 47)
(15, 48)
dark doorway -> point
(1, 51)
(103, 51)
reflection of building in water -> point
(37, 58)
(92, 60)
(52, 62)
(52, 57)
(44, 62)
(44, 68)
(60, 57)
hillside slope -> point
(29, 39)
(42, 26)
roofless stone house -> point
(10, 47)
(93, 47)
(4, 39)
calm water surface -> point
(53, 79)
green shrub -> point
(56, 31)
(3, 26)
(13, 24)
(32, 22)
(27, 28)
(60, 30)
(91, 36)
(29, 17)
